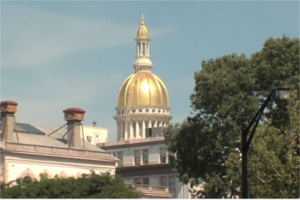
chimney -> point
(8, 110)
(94, 123)
(74, 116)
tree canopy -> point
(87, 186)
(205, 148)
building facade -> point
(28, 151)
(142, 112)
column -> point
(143, 129)
(137, 130)
(160, 124)
(155, 124)
(118, 131)
(121, 131)
(125, 130)
(131, 131)
(140, 48)
(149, 49)
(149, 124)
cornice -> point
(144, 106)
(144, 117)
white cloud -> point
(31, 36)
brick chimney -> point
(74, 116)
(8, 110)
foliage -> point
(88, 186)
(228, 91)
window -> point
(137, 181)
(149, 132)
(163, 181)
(137, 157)
(97, 139)
(146, 181)
(120, 156)
(163, 155)
(145, 156)
(172, 187)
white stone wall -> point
(154, 158)
(20, 165)
(97, 134)
(128, 153)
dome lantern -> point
(143, 62)
(143, 31)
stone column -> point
(160, 124)
(137, 130)
(131, 130)
(165, 124)
(155, 124)
(122, 131)
(149, 124)
(125, 130)
(118, 131)
(143, 129)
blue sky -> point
(56, 55)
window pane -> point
(137, 181)
(145, 181)
(137, 157)
(163, 155)
(120, 156)
(172, 187)
(163, 181)
(145, 156)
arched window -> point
(27, 179)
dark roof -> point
(33, 135)
(27, 128)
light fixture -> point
(284, 91)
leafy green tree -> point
(88, 186)
(228, 91)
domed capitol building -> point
(143, 100)
(139, 155)
(143, 111)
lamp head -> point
(284, 91)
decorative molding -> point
(48, 173)
(144, 106)
(59, 152)
(131, 143)
(78, 175)
(6, 170)
(145, 117)
(62, 174)
(30, 173)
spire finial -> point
(143, 19)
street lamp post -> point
(284, 93)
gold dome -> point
(147, 89)
(143, 31)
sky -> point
(57, 55)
